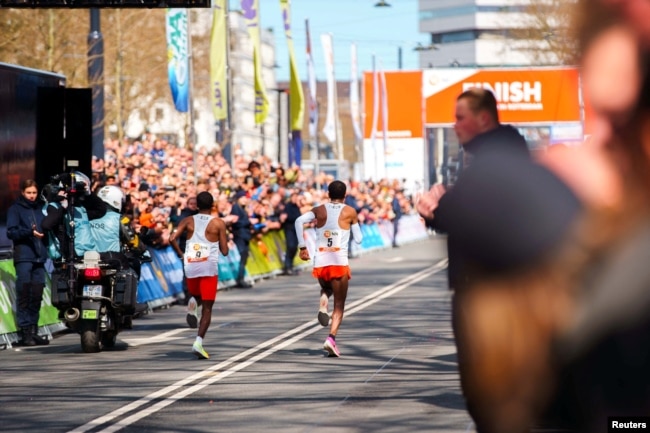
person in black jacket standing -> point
(190, 209)
(241, 231)
(479, 132)
(24, 219)
(481, 135)
(288, 217)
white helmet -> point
(112, 195)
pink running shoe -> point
(330, 346)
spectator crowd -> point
(161, 182)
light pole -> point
(96, 82)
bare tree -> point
(135, 53)
(46, 39)
(136, 62)
(545, 33)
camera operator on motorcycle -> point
(70, 189)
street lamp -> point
(420, 47)
(382, 4)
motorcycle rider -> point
(113, 234)
(106, 230)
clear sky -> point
(378, 31)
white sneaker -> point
(199, 351)
(192, 313)
(323, 317)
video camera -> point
(74, 184)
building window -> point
(430, 14)
(472, 35)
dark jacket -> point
(185, 212)
(241, 229)
(397, 208)
(293, 213)
(22, 217)
(504, 138)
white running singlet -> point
(331, 240)
(201, 256)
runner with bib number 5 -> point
(334, 223)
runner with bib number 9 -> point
(206, 236)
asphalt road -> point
(267, 370)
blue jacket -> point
(56, 223)
(106, 232)
(22, 216)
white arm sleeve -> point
(300, 226)
(356, 233)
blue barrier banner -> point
(162, 277)
(229, 265)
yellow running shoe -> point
(199, 351)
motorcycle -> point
(96, 294)
(96, 298)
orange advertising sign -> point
(525, 95)
(404, 104)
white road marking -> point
(165, 336)
(394, 260)
(181, 389)
(160, 338)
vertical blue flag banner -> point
(295, 150)
(178, 65)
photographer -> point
(65, 190)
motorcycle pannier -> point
(126, 288)
(60, 289)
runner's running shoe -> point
(323, 318)
(192, 313)
(199, 351)
(330, 346)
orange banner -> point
(529, 95)
(405, 108)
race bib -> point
(197, 253)
(330, 242)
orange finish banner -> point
(525, 95)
